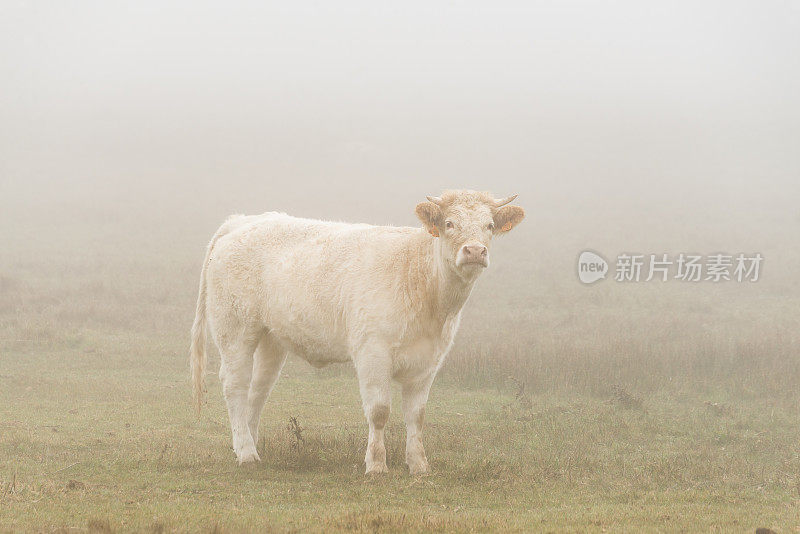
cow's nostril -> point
(475, 250)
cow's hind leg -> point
(267, 364)
(235, 374)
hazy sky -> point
(710, 54)
(551, 99)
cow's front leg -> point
(415, 396)
(374, 369)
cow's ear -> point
(507, 218)
(431, 215)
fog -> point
(355, 111)
(623, 127)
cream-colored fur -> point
(387, 298)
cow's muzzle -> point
(473, 254)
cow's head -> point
(463, 223)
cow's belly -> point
(317, 351)
(303, 327)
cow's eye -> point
(490, 226)
(448, 225)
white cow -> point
(387, 298)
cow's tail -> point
(197, 353)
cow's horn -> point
(503, 201)
(436, 200)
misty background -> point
(128, 132)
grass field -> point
(124, 451)
(631, 408)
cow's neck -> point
(436, 293)
(450, 291)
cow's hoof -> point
(377, 469)
(249, 458)
(419, 468)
